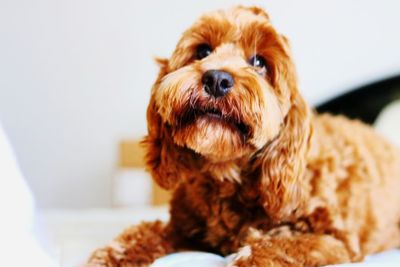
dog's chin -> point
(213, 137)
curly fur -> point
(269, 179)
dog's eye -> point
(203, 51)
(257, 61)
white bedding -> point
(74, 234)
(19, 245)
(77, 233)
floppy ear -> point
(157, 147)
(163, 158)
(280, 164)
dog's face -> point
(229, 94)
(228, 86)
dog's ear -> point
(280, 164)
(163, 157)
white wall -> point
(75, 75)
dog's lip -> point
(216, 114)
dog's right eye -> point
(203, 51)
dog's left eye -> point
(257, 61)
(203, 51)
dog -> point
(253, 169)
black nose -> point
(217, 83)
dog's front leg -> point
(297, 250)
(137, 246)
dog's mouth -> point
(217, 115)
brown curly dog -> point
(252, 169)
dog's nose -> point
(217, 83)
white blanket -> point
(18, 243)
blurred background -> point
(75, 76)
(75, 79)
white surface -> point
(18, 243)
(388, 122)
(192, 259)
(75, 75)
(75, 234)
(199, 259)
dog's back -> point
(356, 172)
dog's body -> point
(253, 170)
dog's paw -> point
(99, 258)
(243, 255)
(265, 256)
